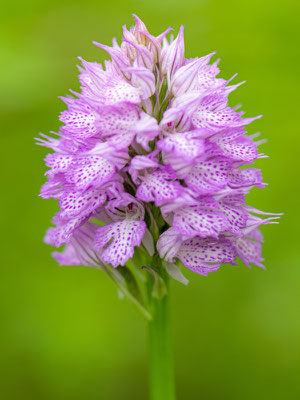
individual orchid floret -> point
(125, 235)
(81, 249)
(152, 166)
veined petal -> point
(173, 58)
(256, 234)
(119, 60)
(139, 29)
(126, 47)
(181, 166)
(104, 149)
(81, 250)
(144, 80)
(168, 244)
(185, 198)
(184, 78)
(144, 57)
(154, 45)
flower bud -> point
(118, 58)
(138, 30)
(185, 78)
(173, 57)
(127, 48)
(144, 57)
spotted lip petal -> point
(158, 186)
(245, 177)
(236, 217)
(125, 236)
(59, 163)
(182, 145)
(241, 149)
(79, 120)
(64, 230)
(249, 252)
(87, 171)
(209, 176)
(150, 148)
(116, 124)
(196, 221)
(74, 203)
(203, 255)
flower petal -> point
(168, 244)
(79, 120)
(182, 145)
(236, 217)
(242, 149)
(158, 186)
(75, 203)
(249, 251)
(194, 221)
(245, 177)
(117, 124)
(208, 176)
(64, 230)
(58, 163)
(146, 130)
(196, 253)
(125, 235)
(81, 250)
(91, 170)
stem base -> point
(162, 385)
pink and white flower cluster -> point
(151, 155)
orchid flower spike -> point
(152, 163)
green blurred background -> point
(64, 332)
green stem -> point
(113, 274)
(162, 386)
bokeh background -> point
(64, 332)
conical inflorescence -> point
(151, 156)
